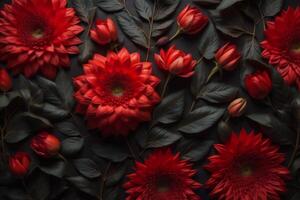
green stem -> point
(103, 180)
(213, 72)
(193, 105)
(177, 33)
(294, 155)
(165, 86)
(150, 30)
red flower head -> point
(163, 176)
(38, 35)
(45, 145)
(5, 81)
(19, 163)
(228, 57)
(176, 62)
(247, 167)
(105, 32)
(258, 84)
(282, 45)
(116, 92)
(191, 20)
(237, 107)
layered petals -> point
(282, 45)
(247, 167)
(104, 32)
(163, 176)
(116, 92)
(38, 36)
(228, 57)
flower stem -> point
(177, 33)
(193, 105)
(151, 20)
(213, 72)
(134, 155)
(103, 180)
(165, 86)
(294, 155)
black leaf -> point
(209, 42)
(160, 28)
(72, 145)
(251, 48)
(160, 137)
(200, 119)
(67, 128)
(271, 8)
(82, 8)
(165, 9)
(170, 109)
(54, 168)
(87, 167)
(65, 88)
(207, 2)
(110, 5)
(225, 4)
(199, 78)
(218, 93)
(132, 30)
(84, 185)
(38, 186)
(143, 8)
(110, 151)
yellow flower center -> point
(117, 91)
(246, 170)
(38, 33)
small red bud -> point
(19, 163)
(5, 81)
(237, 107)
(45, 145)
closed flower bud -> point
(237, 107)
(228, 57)
(176, 62)
(162, 41)
(224, 131)
(45, 145)
(191, 20)
(258, 84)
(105, 32)
(19, 163)
(5, 81)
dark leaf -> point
(207, 2)
(162, 27)
(72, 145)
(143, 8)
(87, 167)
(4, 101)
(132, 30)
(170, 109)
(54, 168)
(209, 42)
(38, 186)
(219, 93)
(199, 78)
(51, 112)
(165, 9)
(251, 48)
(24, 124)
(160, 137)
(51, 94)
(228, 3)
(67, 128)
(84, 185)
(110, 151)
(271, 8)
(194, 150)
(200, 119)
(110, 5)
(116, 174)
(65, 88)
(114, 193)
(82, 8)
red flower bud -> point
(105, 32)
(228, 57)
(162, 41)
(237, 107)
(176, 62)
(45, 145)
(5, 81)
(258, 84)
(19, 163)
(191, 20)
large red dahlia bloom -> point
(163, 176)
(282, 45)
(116, 92)
(38, 35)
(247, 167)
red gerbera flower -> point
(247, 167)
(163, 176)
(38, 35)
(282, 45)
(116, 92)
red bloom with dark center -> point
(116, 92)
(247, 167)
(282, 45)
(38, 35)
(163, 176)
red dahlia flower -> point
(38, 35)
(282, 45)
(19, 163)
(191, 20)
(45, 144)
(163, 176)
(176, 62)
(116, 92)
(105, 32)
(247, 167)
